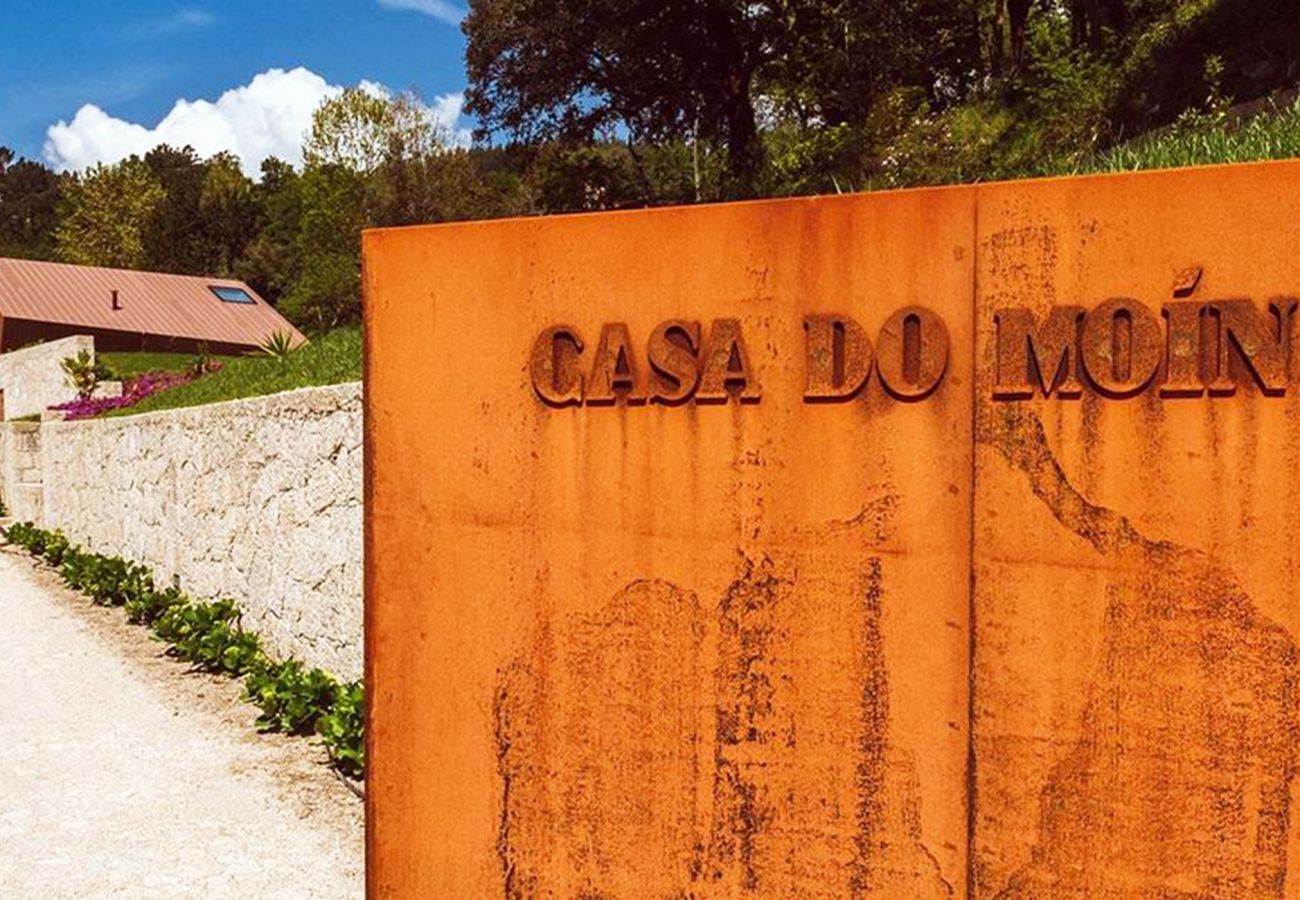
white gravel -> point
(112, 788)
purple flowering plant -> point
(134, 390)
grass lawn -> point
(124, 365)
(332, 358)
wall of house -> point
(33, 379)
(258, 500)
(22, 332)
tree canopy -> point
(800, 95)
(104, 213)
(708, 70)
(29, 200)
(597, 104)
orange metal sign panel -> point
(1136, 600)
(908, 545)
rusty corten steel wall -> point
(957, 645)
(151, 303)
(1136, 603)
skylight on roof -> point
(231, 294)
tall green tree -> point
(230, 213)
(653, 69)
(104, 212)
(371, 160)
(270, 262)
(718, 71)
(29, 198)
(362, 129)
(326, 291)
(352, 135)
(174, 233)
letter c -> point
(557, 378)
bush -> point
(109, 580)
(56, 547)
(150, 606)
(292, 699)
(27, 536)
(20, 534)
(82, 373)
(343, 729)
(208, 635)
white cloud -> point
(441, 10)
(446, 110)
(269, 116)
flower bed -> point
(133, 391)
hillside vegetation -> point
(614, 104)
(331, 358)
(1204, 139)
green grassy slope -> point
(1208, 139)
(124, 365)
(329, 359)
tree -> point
(104, 212)
(653, 69)
(1090, 19)
(588, 177)
(371, 160)
(229, 212)
(173, 236)
(342, 190)
(29, 197)
(208, 216)
(360, 129)
(326, 291)
(838, 59)
(270, 261)
(703, 70)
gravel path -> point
(125, 776)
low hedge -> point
(292, 698)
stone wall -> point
(33, 379)
(259, 500)
(20, 470)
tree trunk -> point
(1018, 19)
(744, 147)
(1078, 22)
(997, 40)
(1116, 15)
(1090, 18)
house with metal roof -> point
(128, 310)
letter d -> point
(839, 358)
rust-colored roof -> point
(181, 306)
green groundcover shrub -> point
(208, 635)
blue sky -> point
(135, 60)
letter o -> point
(912, 353)
(1121, 345)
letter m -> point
(1029, 353)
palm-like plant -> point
(278, 345)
